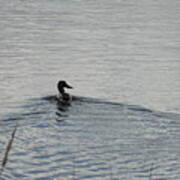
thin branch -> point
(150, 172)
(8, 148)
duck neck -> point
(61, 90)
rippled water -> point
(91, 139)
(122, 57)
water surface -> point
(122, 57)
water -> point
(122, 57)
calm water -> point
(122, 57)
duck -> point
(64, 97)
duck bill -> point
(68, 86)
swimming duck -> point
(63, 96)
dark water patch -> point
(23, 116)
(13, 119)
(138, 108)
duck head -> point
(63, 84)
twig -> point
(111, 171)
(74, 168)
(150, 172)
(8, 148)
